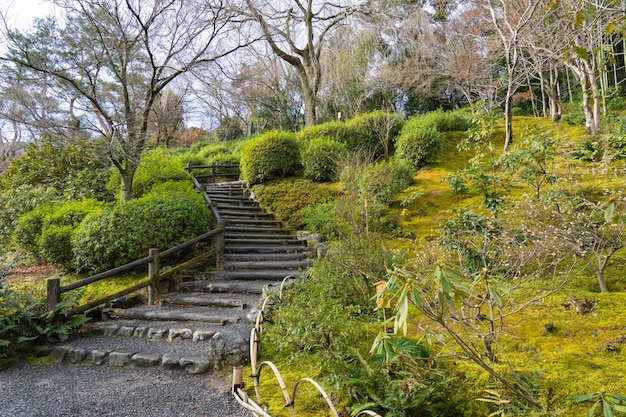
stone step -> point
(255, 265)
(265, 257)
(238, 301)
(255, 230)
(195, 352)
(263, 242)
(252, 209)
(253, 275)
(267, 249)
(244, 222)
(233, 201)
(238, 215)
(207, 315)
(261, 236)
(225, 286)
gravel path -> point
(87, 391)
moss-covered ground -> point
(580, 353)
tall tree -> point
(512, 21)
(296, 32)
(111, 59)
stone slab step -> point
(263, 241)
(265, 257)
(226, 286)
(262, 236)
(267, 249)
(178, 314)
(226, 207)
(253, 275)
(238, 215)
(235, 201)
(214, 352)
(245, 222)
(255, 230)
(252, 265)
(238, 301)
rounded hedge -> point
(272, 155)
(334, 130)
(321, 158)
(126, 231)
(417, 143)
(375, 132)
(384, 180)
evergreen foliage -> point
(321, 158)
(125, 232)
(274, 154)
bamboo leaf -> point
(618, 397)
(608, 411)
(620, 408)
(417, 298)
(584, 397)
(500, 285)
(582, 53)
(609, 213)
(592, 410)
(495, 296)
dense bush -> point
(54, 244)
(28, 229)
(382, 181)
(321, 158)
(446, 121)
(336, 334)
(69, 168)
(156, 166)
(374, 133)
(418, 144)
(287, 199)
(272, 155)
(337, 131)
(125, 232)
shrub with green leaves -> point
(28, 229)
(375, 133)
(156, 166)
(125, 232)
(383, 180)
(418, 144)
(54, 243)
(321, 158)
(272, 155)
(334, 130)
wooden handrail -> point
(54, 288)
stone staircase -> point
(205, 325)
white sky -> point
(20, 13)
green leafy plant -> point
(321, 158)
(375, 132)
(272, 155)
(603, 404)
(418, 144)
(124, 232)
(382, 181)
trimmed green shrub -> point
(375, 132)
(54, 244)
(330, 130)
(125, 232)
(28, 229)
(321, 158)
(418, 144)
(382, 181)
(272, 155)
(156, 166)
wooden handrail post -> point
(54, 293)
(221, 242)
(153, 274)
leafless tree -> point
(296, 32)
(111, 60)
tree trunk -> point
(508, 118)
(309, 96)
(127, 175)
(601, 281)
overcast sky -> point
(20, 13)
